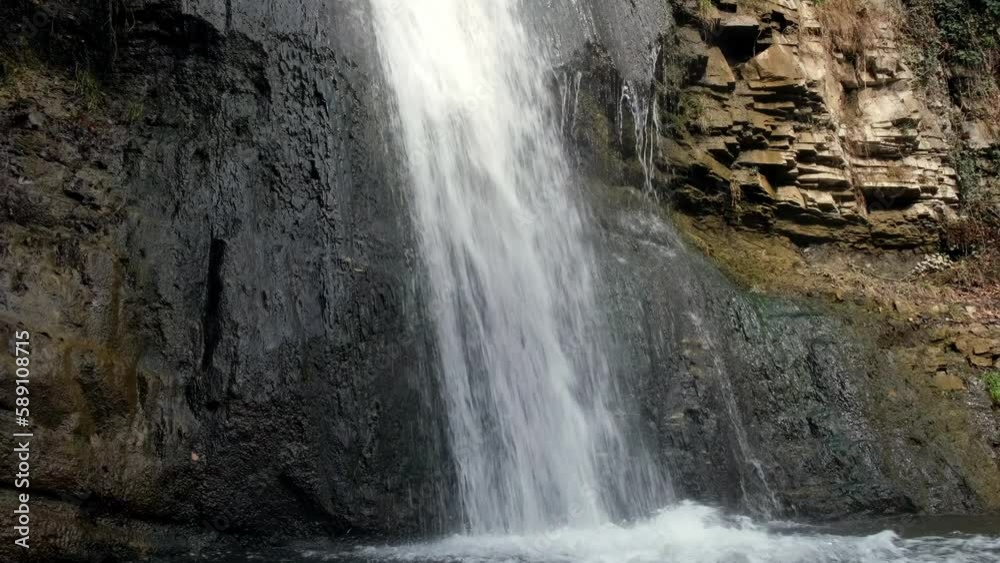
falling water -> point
(758, 496)
(645, 112)
(546, 469)
(569, 92)
(526, 382)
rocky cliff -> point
(204, 227)
(200, 229)
(834, 125)
(791, 128)
(807, 162)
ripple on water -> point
(688, 533)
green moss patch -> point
(992, 380)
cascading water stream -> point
(526, 381)
(757, 494)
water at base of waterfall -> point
(683, 533)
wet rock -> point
(204, 340)
(832, 426)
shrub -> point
(992, 380)
(961, 39)
(975, 237)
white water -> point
(528, 395)
(690, 533)
(645, 113)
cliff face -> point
(205, 228)
(201, 229)
(805, 172)
(871, 182)
(786, 406)
(790, 127)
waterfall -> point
(531, 407)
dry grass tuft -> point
(852, 26)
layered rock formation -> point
(785, 132)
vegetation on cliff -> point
(960, 39)
(957, 55)
(992, 380)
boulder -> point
(790, 195)
(776, 65)
(718, 75)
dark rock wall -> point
(279, 278)
(248, 355)
(766, 405)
